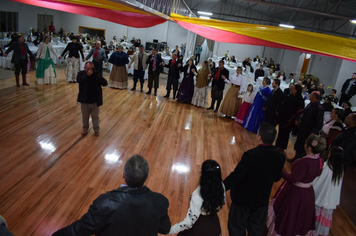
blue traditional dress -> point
(256, 114)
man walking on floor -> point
(98, 57)
(90, 96)
(218, 85)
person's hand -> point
(36, 59)
(223, 76)
(179, 65)
(264, 108)
(162, 63)
(60, 57)
(193, 70)
(152, 59)
(128, 66)
(209, 75)
(296, 123)
(90, 72)
(107, 63)
(83, 60)
(5, 55)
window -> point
(9, 21)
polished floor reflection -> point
(50, 174)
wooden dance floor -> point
(50, 174)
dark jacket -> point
(286, 93)
(273, 105)
(158, 64)
(190, 73)
(84, 81)
(291, 108)
(328, 106)
(220, 82)
(124, 211)
(174, 70)
(74, 50)
(16, 56)
(311, 120)
(352, 91)
(253, 177)
(259, 73)
(347, 140)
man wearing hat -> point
(73, 62)
(20, 59)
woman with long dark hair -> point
(206, 200)
(291, 108)
(327, 189)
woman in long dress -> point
(246, 104)
(291, 108)
(46, 73)
(292, 211)
(256, 114)
(118, 75)
(327, 189)
(206, 200)
(186, 88)
(232, 102)
(333, 126)
(201, 87)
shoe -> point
(155, 94)
(133, 89)
(17, 85)
(215, 111)
(229, 117)
(210, 108)
(166, 96)
(84, 132)
(141, 91)
(149, 92)
(96, 133)
(26, 84)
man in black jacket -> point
(174, 66)
(90, 96)
(273, 103)
(131, 210)
(348, 89)
(20, 59)
(218, 85)
(154, 61)
(251, 182)
(259, 72)
(309, 122)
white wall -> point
(272, 53)
(325, 68)
(347, 68)
(28, 15)
(240, 51)
(289, 61)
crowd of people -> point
(308, 195)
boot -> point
(149, 91)
(134, 87)
(17, 79)
(212, 105)
(217, 107)
(155, 92)
(168, 93)
(141, 87)
(24, 83)
(174, 94)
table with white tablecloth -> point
(3, 42)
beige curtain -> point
(200, 40)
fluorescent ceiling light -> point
(205, 13)
(287, 26)
(353, 21)
(204, 17)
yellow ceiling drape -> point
(309, 41)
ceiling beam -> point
(299, 9)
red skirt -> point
(242, 112)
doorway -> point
(44, 21)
